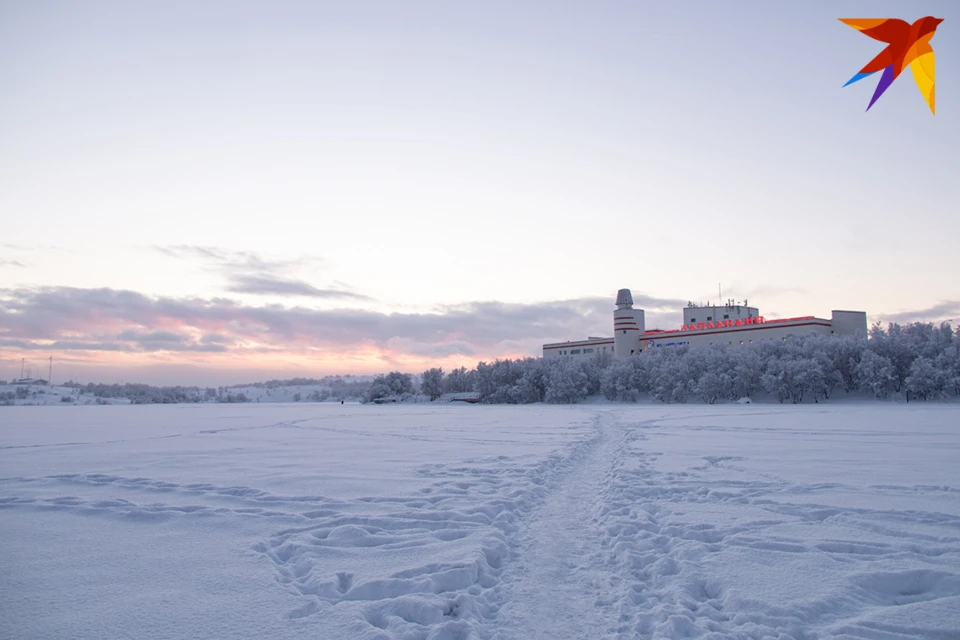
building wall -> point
(581, 349)
(737, 336)
(628, 326)
(722, 312)
(849, 322)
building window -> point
(624, 332)
(751, 342)
(692, 320)
(588, 350)
(575, 352)
(741, 342)
(709, 318)
(726, 316)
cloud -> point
(5, 262)
(252, 274)
(63, 345)
(155, 336)
(94, 320)
(272, 285)
(242, 261)
(429, 349)
(33, 247)
(944, 311)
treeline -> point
(149, 394)
(331, 388)
(335, 383)
(433, 383)
(912, 362)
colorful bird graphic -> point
(907, 44)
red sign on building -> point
(721, 324)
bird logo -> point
(907, 44)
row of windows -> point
(576, 352)
(726, 316)
(784, 338)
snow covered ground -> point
(468, 521)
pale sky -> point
(219, 192)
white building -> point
(732, 323)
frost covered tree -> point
(926, 379)
(532, 386)
(622, 380)
(498, 382)
(844, 352)
(746, 374)
(709, 387)
(949, 361)
(791, 378)
(775, 380)
(898, 347)
(393, 384)
(673, 379)
(458, 381)
(567, 382)
(875, 373)
(431, 383)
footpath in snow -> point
(559, 585)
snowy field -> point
(457, 522)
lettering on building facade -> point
(720, 324)
(678, 343)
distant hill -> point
(20, 393)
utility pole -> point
(50, 373)
(23, 361)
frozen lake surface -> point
(458, 522)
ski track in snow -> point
(596, 539)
